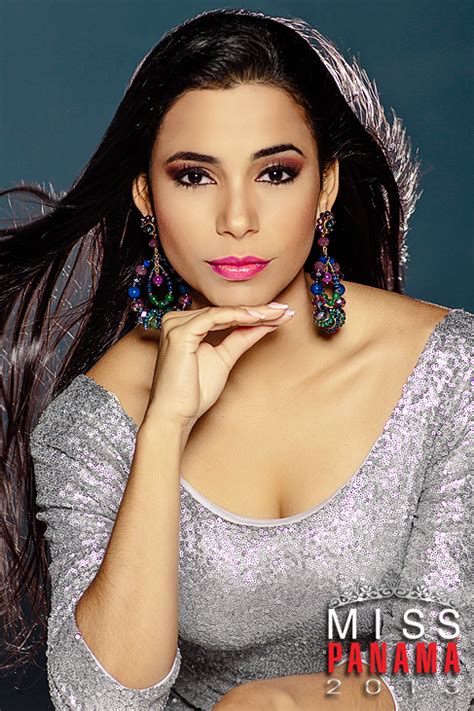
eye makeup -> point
(291, 168)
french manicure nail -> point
(254, 312)
(277, 305)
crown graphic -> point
(391, 585)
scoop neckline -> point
(303, 515)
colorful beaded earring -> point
(328, 313)
(151, 312)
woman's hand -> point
(306, 692)
(259, 695)
(189, 374)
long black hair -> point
(65, 272)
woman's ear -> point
(141, 196)
(329, 188)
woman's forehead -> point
(225, 121)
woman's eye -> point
(194, 178)
(275, 172)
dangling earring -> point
(328, 313)
(151, 313)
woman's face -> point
(254, 189)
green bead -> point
(329, 321)
(169, 297)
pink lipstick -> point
(238, 268)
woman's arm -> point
(307, 692)
(438, 565)
(130, 610)
(113, 537)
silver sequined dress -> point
(254, 594)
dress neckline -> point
(303, 515)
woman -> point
(227, 448)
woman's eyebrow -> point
(262, 153)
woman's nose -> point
(238, 217)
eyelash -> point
(291, 170)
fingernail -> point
(277, 305)
(290, 312)
(254, 312)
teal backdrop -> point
(64, 65)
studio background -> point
(64, 65)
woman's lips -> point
(235, 273)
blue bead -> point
(323, 259)
(331, 259)
(183, 288)
(340, 289)
(316, 288)
(146, 263)
(134, 292)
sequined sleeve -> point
(80, 473)
(437, 569)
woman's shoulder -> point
(407, 333)
(82, 444)
(126, 371)
(440, 340)
(82, 415)
(97, 393)
(403, 318)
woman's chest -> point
(268, 581)
(280, 456)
